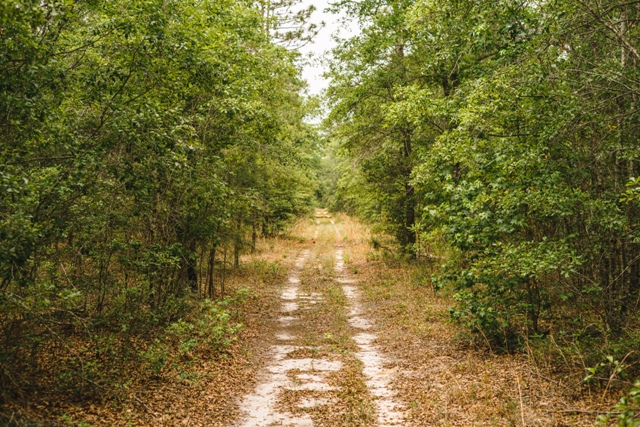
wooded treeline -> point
(499, 141)
(143, 143)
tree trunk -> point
(212, 262)
(237, 246)
(410, 202)
(254, 231)
(192, 273)
(224, 271)
(410, 214)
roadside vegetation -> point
(146, 146)
(442, 376)
(497, 141)
(154, 155)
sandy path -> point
(310, 370)
(261, 407)
(378, 379)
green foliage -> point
(610, 367)
(369, 73)
(141, 142)
(522, 120)
(155, 357)
(626, 412)
(209, 327)
(212, 327)
(632, 192)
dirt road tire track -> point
(300, 383)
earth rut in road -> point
(324, 369)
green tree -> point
(522, 121)
(139, 138)
(368, 74)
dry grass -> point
(441, 380)
(204, 388)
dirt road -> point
(324, 366)
(360, 341)
(339, 334)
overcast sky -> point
(322, 43)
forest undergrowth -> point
(191, 372)
(447, 376)
(443, 375)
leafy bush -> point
(626, 412)
(211, 326)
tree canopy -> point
(510, 128)
(140, 140)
